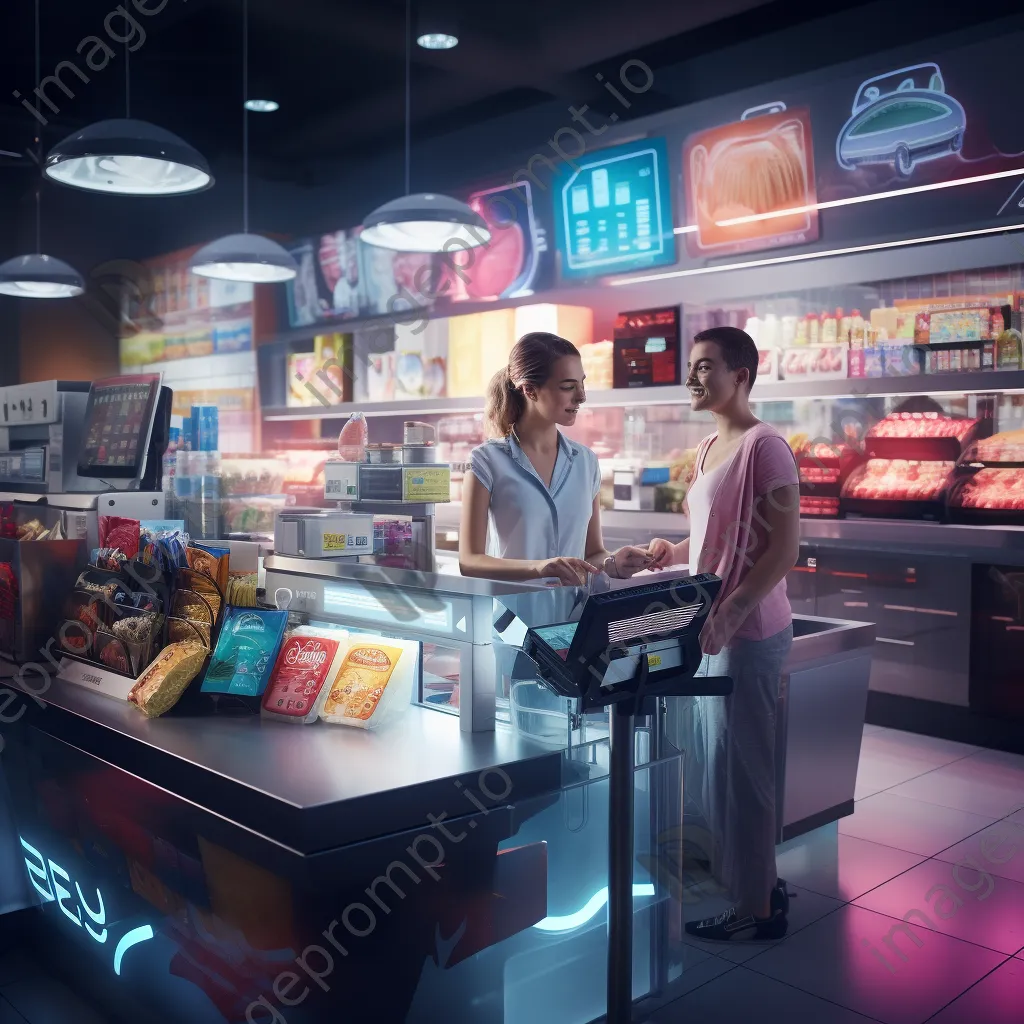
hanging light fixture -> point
(36, 276)
(437, 26)
(245, 257)
(127, 157)
(425, 222)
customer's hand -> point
(570, 572)
(721, 625)
(661, 553)
(631, 560)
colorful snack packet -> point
(307, 660)
(245, 651)
(118, 532)
(211, 561)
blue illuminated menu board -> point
(614, 214)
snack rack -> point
(94, 657)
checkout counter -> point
(221, 867)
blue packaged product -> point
(245, 652)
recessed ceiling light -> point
(437, 41)
(262, 106)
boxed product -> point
(245, 652)
(899, 360)
(301, 368)
(768, 364)
(867, 362)
(597, 365)
(308, 659)
(815, 362)
(373, 684)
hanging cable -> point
(39, 141)
(127, 81)
(408, 96)
(245, 116)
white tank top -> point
(699, 499)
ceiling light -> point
(262, 106)
(129, 158)
(39, 277)
(244, 257)
(425, 223)
(36, 276)
(438, 41)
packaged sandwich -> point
(308, 659)
(163, 683)
(245, 652)
(375, 681)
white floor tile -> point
(979, 784)
(910, 825)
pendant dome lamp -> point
(245, 257)
(36, 276)
(127, 157)
(424, 222)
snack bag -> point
(167, 678)
(120, 533)
(374, 682)
(212, 562)
(307, 660)
(245, 652)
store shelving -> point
(978, 382)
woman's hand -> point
(628, 561)
(570, 572)
(721, 625)
(661, 553)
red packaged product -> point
(120, 533)
(304, 664)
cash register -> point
(628, 648)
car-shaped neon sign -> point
(903, 117)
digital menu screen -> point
(614, 214)
(118, 423)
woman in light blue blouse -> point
(530, 501)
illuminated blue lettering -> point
(55, 870)
(133, 938)
(37, 871)
(100, 917)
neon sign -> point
(48, 878)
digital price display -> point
(614, 214)
(118, 423)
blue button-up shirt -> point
(528, 519)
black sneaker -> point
(728, 927)
(781, 896)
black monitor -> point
(653, 626)
(118, 426)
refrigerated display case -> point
(988, 487)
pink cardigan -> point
(737, 532)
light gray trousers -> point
(729, 764)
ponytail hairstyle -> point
(531, 361)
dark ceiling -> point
(337, 67)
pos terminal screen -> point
(558, 637)
(118, 424)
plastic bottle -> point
(829, 328)
(858, 332)
(813, 329)
(353, 439)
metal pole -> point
(659, 794)
(622, 738)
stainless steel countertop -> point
(308, 788)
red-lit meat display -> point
(919, 436)
(898, 480)
(902, 488)
(823, 468)
(922, 424)
(993, 489)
